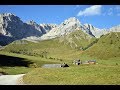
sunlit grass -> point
(75, 75)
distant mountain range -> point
(13, 28)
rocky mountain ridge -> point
(13, 28)
(73, 24)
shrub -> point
(119, 47)
(111, 42)
(116, 63)
(50, 58)
(33, 65)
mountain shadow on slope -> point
(11, 61)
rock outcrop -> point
(64, 28)
(73, 24)
(95, 31)
(13, 28)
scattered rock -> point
(13, 28)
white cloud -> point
(104, 14)
(110, 11)
(113, 11)
(117, 8)
(77, 6)
(93, 10)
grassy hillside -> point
(57, 50)
(98, 74)
(64, 48)
(78, 40)
(106, 51)
(13, 63)
(108, 46)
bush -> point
(33, 65)
(111, 42)
(2, 72)
(50, 58)
(119, 47)
(116, 63)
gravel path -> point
(11, 79)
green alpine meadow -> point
(78, 48)
(105, 51)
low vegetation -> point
(19, 68)
(106, 51)
(75, 75)
(108, 46)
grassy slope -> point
(77, 39)
(21, 69)
(48, 51)
(105, 72)
(107, 47)
(75, 75)
(59, 48)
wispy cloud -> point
(113, 11)
(77, 6)
(110, 11)
(117, 8)
(93, 10)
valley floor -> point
(106, 72)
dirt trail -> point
(11, 79)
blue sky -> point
(100, 16)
